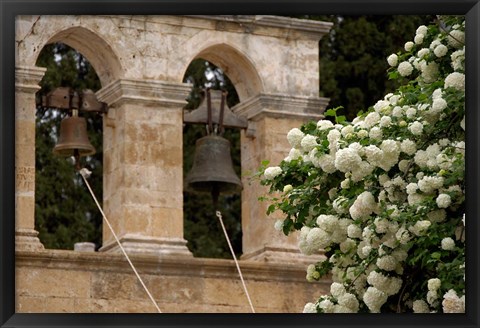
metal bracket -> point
(67, 99)
(214, 110)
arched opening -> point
(64, 211)
(237, 66)
(202, 230)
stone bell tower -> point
(273, 63)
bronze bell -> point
(73, 139)
(212, 170)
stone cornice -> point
(28, 78)
(282, 106)
(150, 264)
(146, 92)
(309, 29)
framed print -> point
(102, 163)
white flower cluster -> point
(271, 172)
(398, 176)
(340, 301)
(452, 303)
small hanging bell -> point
(212, 170)
(73, 138)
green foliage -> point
(383, 196)
(352, 57)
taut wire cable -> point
(85, 173)
(219, 216)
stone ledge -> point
(146, 92)
(282, 106)
(307, 28)
(168, 266)
(27, 78)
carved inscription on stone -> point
(25, 178)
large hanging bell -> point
(73, 138)
(212, 170)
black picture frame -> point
(10, 8)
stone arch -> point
(95, 49)
(236, 65)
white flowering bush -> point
(383, 196)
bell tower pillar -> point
(26, 85)
(143, 179)
(270, 118)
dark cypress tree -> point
(64, 211)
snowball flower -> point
(388, 285)
(420, 306)
(271, 172)
(316, 239)
(430, 183)
(327, 306)
(349, 301)
(287, 188)
(456, 38)
(420, 227)
(363, 206)
(408, 146)
(310, 308)
(374, 299)
(348, 129)
(374, 155)
(443, 201)
(458, 59)
(293, 155)
(429, 71)
(455, 80)
(371, 119)
(438, 105)
(409, 45)
(462, 123)
(418, 39)
(423, 52)
(308, 143)
(434, 284)
(405, 68)
(385, 121)
(354, 231)
(421, 30)
(278, 225)
(387, 263)
(448, 244)
(440, 51)
(392, 60)
(452, 303)
(347, 159)
(416, 128)
(294, 137)
(327, 222)
(324, 125)
(337, 289)
(411, 112)
(375, 133)
(381, 105)
(412, 188)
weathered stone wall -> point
(141, 60)
(65, 281)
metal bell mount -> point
(212, 170)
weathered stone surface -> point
(141, 61)
(85, 282)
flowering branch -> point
(384, 195)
